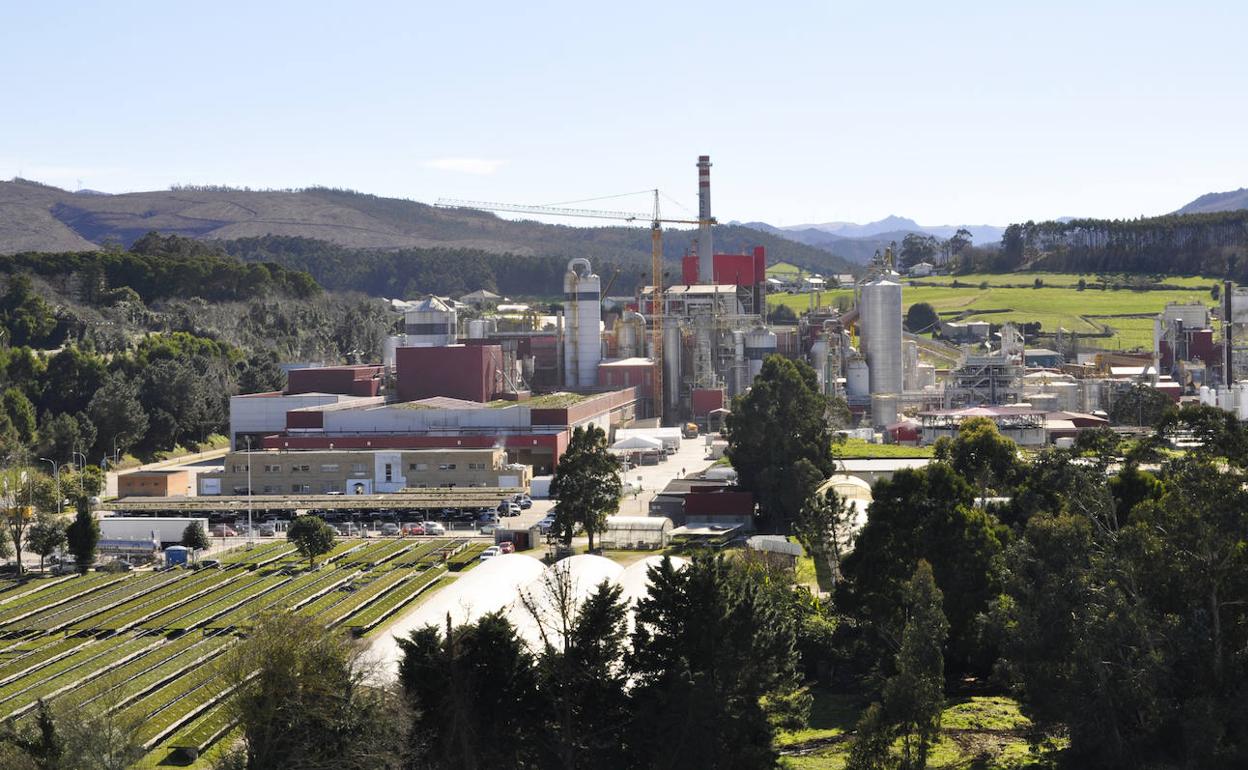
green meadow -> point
(1056, 304)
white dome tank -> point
(582, 348)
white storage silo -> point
(881, 320)
(740, 367)
(1226, 400)
(389, 349)
(911, 358)
(857, 378)
(582, 307)
(1241, 394)
(759, 343)
(430, 324)
(480, 328)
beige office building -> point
(362, 472)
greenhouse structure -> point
(637, 532)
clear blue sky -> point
(812, 111)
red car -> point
(414, 529)
(222, 530)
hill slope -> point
(1212, 202)
(36, 217)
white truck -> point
(168, 531)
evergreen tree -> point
(779, 441)
(46, 535)
(914, 696)
(194, 537)
(82, 536)
(311, 536)
(586, 484)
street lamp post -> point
(248, 440)
(56, 473)
(81, 471)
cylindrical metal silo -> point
(857, 378)
(430, 324)
(760, 342)
(926, 376)
(740, 367)
(881, 319)
(625, 338)
(672, 350)
(582, 301)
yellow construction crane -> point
(656, 257)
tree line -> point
(1174, 244)
(1103, 585)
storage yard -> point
(149, 646)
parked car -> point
(488, 518)
(65, 568)
(223, 530)
(414, 529)
(490, 553)
(120, 565)
(546, 524)
(433, 528)
(524, 501)
(267, 530)
(507, 508)
(208, 564)
(507, 546)
(389, 528)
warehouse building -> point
(355, 472)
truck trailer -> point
(167, 531)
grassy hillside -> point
(36, 217)
(1057, 304)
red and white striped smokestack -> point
(706, 249)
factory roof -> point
(430, 303)
(984, 411)
(628, 362)
(697, 288)
(1039, 352)
(442, 402)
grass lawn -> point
(1057, 305)
(856, 449)
(980, 731)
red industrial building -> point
(629, 373)
(466, 372)
(731, 270)
(362, 380)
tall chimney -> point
(706, 249)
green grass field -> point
(1057, 305)
(981, 732)
(856, 448)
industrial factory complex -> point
(477, 393)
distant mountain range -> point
(1223, 201)
(858, 243)
(37, 217)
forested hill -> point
(35, 217)
(1214, 244)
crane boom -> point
(656, 221)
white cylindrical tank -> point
(430, 324)
(819, 359)
(480, 328)
(857, 378)
(1226, 400)
(582, 303)
(911, 359)
(1206, 396)
(1067, 395)
(881, 320)
(926, 376)
(625, 338)
(389, 349)
(1241, 392)
(883, 409)
(760, 342)
(1091, 395)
